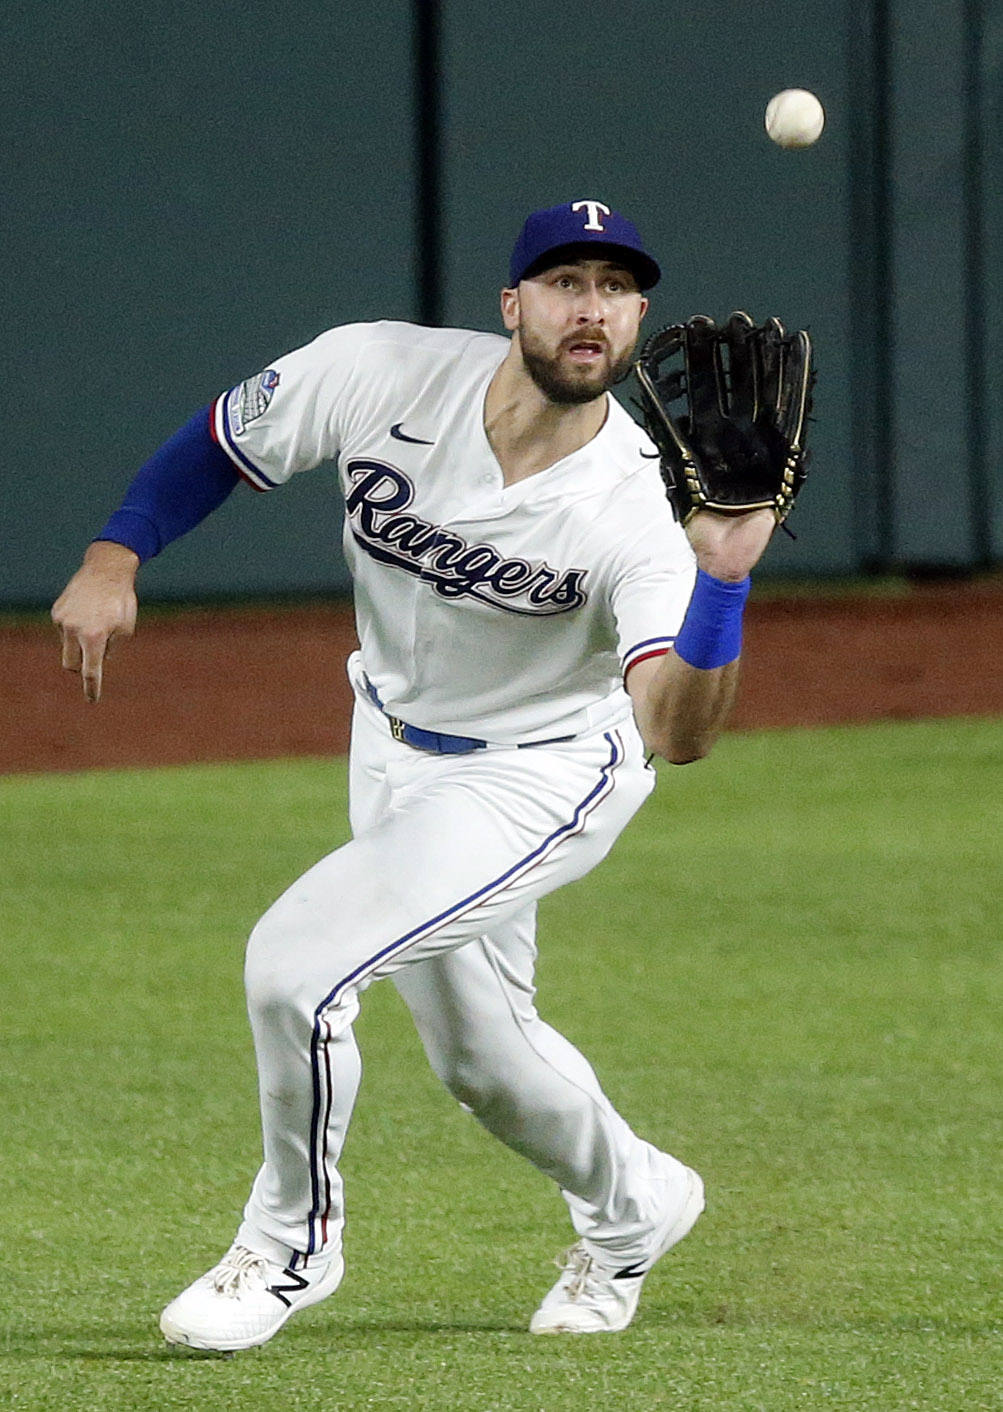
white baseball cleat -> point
(244, 1300)
(592, 1297)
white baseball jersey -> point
(506, 613)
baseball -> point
(794, 118)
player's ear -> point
(510, 308)
(645, 306)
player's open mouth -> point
(586, 352)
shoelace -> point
(577, 1263)
(239, 1270)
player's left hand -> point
(728, 547)
(728, 409)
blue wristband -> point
(711, 634)
(182, 483)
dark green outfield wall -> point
(185, 201)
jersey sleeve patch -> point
(252, 398)
(230, 417)
(641, 651)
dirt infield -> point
(259, 683)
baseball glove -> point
(727, 408)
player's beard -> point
(577, 385)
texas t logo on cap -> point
(576, 229)
(593, 208)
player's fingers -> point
(92, 683)
(92, 660)
(71, 651)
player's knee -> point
(286, 985)
(473, 1081)
(269, 978)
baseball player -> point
(533, 625)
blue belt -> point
(438, 742)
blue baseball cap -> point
(548, 234)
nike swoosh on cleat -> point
(398, 435)
(631, 1272)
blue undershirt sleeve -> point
(182, 483)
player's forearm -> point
(682, 700)
(181, 484)
(683, 709)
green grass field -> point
(788, 973)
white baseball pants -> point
(438, 888)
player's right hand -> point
(97, 606)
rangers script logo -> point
(455, 569)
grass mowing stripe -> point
(787, 972)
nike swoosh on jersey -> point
(398, 435)
(649, 455)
